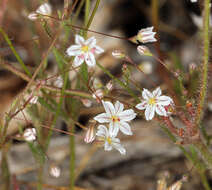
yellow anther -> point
(85, 48)
(152, 101)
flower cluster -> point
(118, 119)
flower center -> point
(115, 119)
(85, 49)
(152, 101)
(109, 140)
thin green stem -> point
(205, 63)
(15, 52)
(93, 14)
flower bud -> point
(109, 85)
(90, 134)
(55, 171)
(98, 94)
(44, 9)
(33, 100)
(143, 50)
(29, 134)
(118, 54)
(33, 16)
(86, 102)
(58, 82)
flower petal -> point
(146, 94)
(157, 92)
(125, 128)
(120, 148)
(109, 108)
(90, 59)
(118, 107)
(108, 147)
(79, 39)
(91, 42)
(102, 118)
(127, 115)
(74, 50)
(164, 100)
(160, 110)
(98, 50)
(113, 129)
(142, 105)
(78, 60)
(102, 131)
(149, 112)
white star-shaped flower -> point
(146, 35)
(154, 102)
(116, 117)
(109, 139)
(84, 50)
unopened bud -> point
(58, 82)
(176, 186)
(109, 85)
(33, 100)
(98, 94)
(118, 54)
(55, 171)
(90, 134)
(33, 16)
(192, 67)
(44, 9)
(86, 102)
(29, 134)
(143, 50)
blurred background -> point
(150, 152)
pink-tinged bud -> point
(98, 94)
(192, 67)
(29, 134)
(143, 50)
(55, 171)
(146, 35)
(86, 102)
(44, 9)
(33, 100)
(176, 186)
(33, 16)
(118, 54)
(109, 85)
(90, 134)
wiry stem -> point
(205, 63)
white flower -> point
(146, 67)
(84, 50)
(29, 134)
(154, 102)
(193, 1)
(146, 35)
(116, 117)
(109, 139)
(44, 9)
